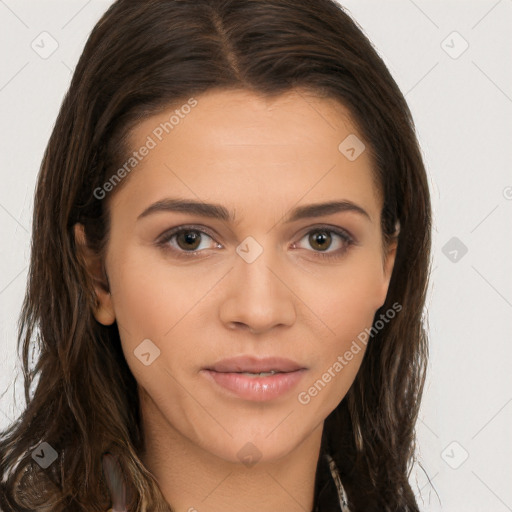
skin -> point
(260, 158)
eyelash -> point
(163, 241)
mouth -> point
(255, 379)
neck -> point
(193, 479)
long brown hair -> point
(140, 58)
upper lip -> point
(254, 365)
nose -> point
(259, 296)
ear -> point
(388, 265)
(104, 312)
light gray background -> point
(462, 104)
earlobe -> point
(104, 312)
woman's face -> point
(249, 278)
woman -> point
(279, 363)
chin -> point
(253, 445)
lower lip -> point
(258, 389)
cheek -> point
(347, 297)
(346, 303)
(148, 299)
(158, 302)
(347, 306)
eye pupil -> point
(320, 237)
(190, 237)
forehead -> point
(224, 117)
(238, 144)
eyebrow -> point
(217, 211)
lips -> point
(248, 364)
(253, 379)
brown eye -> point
(324, 238)
(320, 240)
(188, 240)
